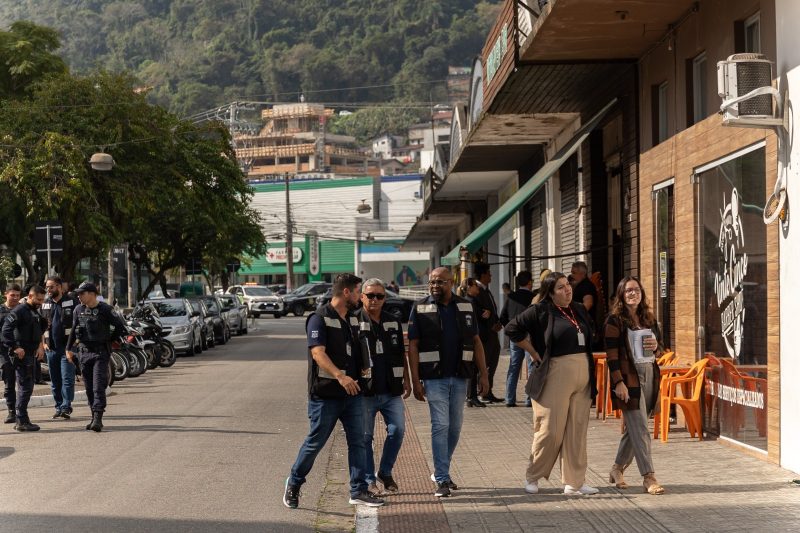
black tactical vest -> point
(93, 330)
(339, 334)
(429, 325)
(392, 359)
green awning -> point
(491, 225)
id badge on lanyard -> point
(581, 339)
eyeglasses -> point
(438, 282)
(633, 291)
(374, 295)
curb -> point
(46, 400)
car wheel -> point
(298, 310)
(212, 341)
(255, 315)
(277, 315)
(196, 347)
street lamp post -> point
(103, 162)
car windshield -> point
(228, 302)
(211, 303)
(196, 305)
(257, 291)
(303, 289)
(168, 308)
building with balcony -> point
(294, 140)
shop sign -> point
(662, 265)
(728, 286)
(496, 54)
(313, 252)
(278, 255)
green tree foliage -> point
(197, 54)
(176, 191)
(26, 55)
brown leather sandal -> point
(651, 486)
(615, 477)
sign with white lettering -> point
(313, 252)
(278, 255)
(496, 54)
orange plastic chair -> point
(689, 403)
(667, 358)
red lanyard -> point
(572, 320)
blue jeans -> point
(446, 404)
(514, 368)
(393, 411)
(323, 415)
(62, 379)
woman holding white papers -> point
(633, 343)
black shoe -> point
(57, 414)
(442, 490)
(389, 483)
(25, 425)
(366, 498)
(65, 414)
(451, 485)
(97, 422)
(491, 398)
(67, 411)
(511, 404)
(474, 402)
(12, 417)
(291, 495)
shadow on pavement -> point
(40, 522)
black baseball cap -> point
(86, 286)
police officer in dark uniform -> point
(334, 367)
(22, 337)
(443, 344)
(13, 295)
(94, 327)
(58, 309)
(384, 378)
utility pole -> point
(110, 273)
(289, 243)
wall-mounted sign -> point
(278, 255)
(313, 252)
(496, 54)
(662, 266)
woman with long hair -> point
(633, 343)
(557, 333)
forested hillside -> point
(198, 54)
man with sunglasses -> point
(443, 347)
(384, 378)
(58, 309)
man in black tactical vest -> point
(443, 346)
(94, 327)
(13, 295)
(58, 309)
(22, 337)
(384, 378)
(334, 367)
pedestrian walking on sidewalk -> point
(22, 337)
(557, 334)
(516, 303)
(13, 295)
(443, 346)
(488, 327)
(334, 368)
(385, 381)
(57, 310)
(95, 326)
(633, 343)
(469, 289)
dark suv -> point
(304, 298)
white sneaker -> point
(532, 488)
(433, 478)
(585, 489)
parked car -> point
(259, 300)
(208, 320)
(278, 289)
(180, 324)
(396, 306)
(236, 312)
(304, 298)
(222, 329)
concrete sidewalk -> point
(710, 486)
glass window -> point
(169, 308)
(733, 270)
(752, 34)
(662, 112)
(699, 87)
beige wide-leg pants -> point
(561, 421)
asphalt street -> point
(203, 446)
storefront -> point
(717, 291)
(333, 257)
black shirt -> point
(565, 335)
(584, 288)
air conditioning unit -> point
(744, 82)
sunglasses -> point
(373, 295)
